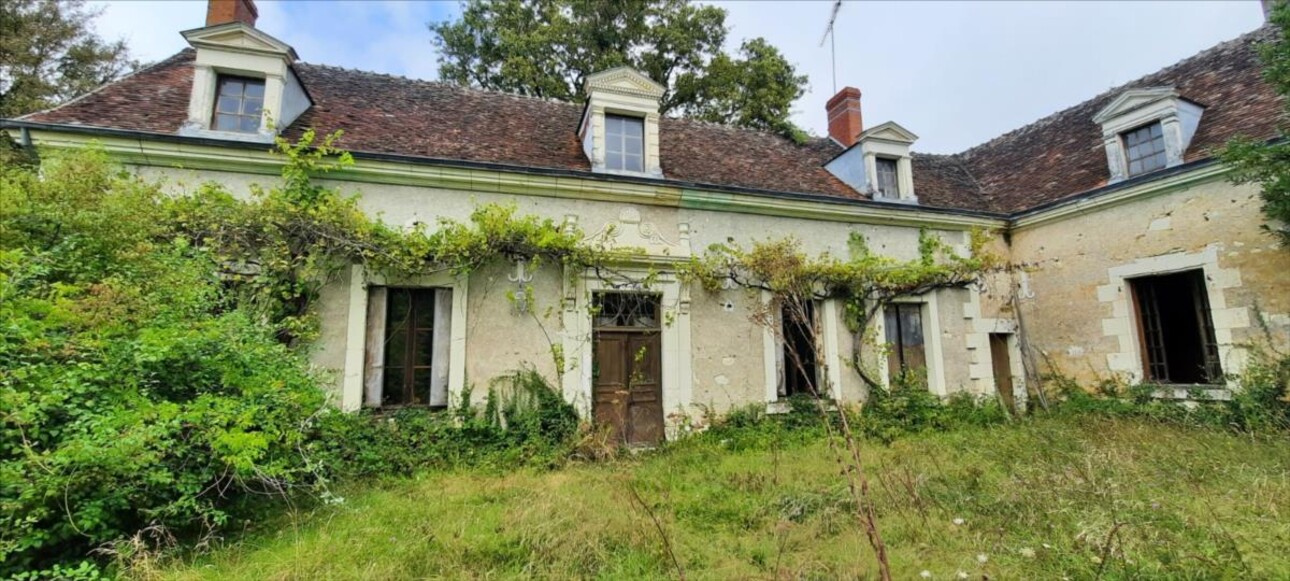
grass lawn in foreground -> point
(1041, 498)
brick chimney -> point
(225, 11)
(845, 121)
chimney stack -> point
(845, 121)
(226, 11)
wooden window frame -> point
(898, 346)
(376, 358)
(878, 163)
(1151, 343)
(241, 105)
(1161, 152)
(622, 155)
(787, 367)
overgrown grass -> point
(1040, 498)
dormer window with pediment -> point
(243, 86)
(879, 163)
(620, 126)
(1145, 130)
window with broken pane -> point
(238, 104)
(903, 324)
(887, 183)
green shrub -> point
(130, 395)
(527, 423)
(1258, 402)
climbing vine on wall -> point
(865, 282)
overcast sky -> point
(955, 73)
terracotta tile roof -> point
(1062, 155)
(1055, 157)
(153, 99)
(387, 114)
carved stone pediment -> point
(626, 81)
(630, 232)
(1133, 99)
(238, 37)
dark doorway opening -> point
(1176, 330)
(800, 368)
(1001, 361)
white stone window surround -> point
(932, 342)
(1135, 108)
(858, 166)
(980, 359)
(772, 346)
(356, 330)
(625, 92)
(1127, 359)
(235, 49)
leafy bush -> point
(1258, 403)
(524, 422)
(130, 394)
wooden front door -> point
(627, 388)
(1002, 362)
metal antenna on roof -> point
(833, 48)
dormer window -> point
(624, 143)
(1145, 130)
(1144, 149)
(243, 88)
(620, 126)
(238, 104)
(879, 164)
(888, 184)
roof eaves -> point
(805, 196)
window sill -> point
(1190, 392)
(623, 172)
(782, 406)
(388, 409)
(192, 130)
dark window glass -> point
(409, 346)
(904, 329)
(887, 182)
(238, 102)
(1176, 329)
(624, 143)
(633, 310)
(800, 374)
(1144, 149)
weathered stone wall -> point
(1080, 318)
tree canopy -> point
(545, 48)
(49, 53)
(1268, 163)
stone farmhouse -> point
(1143, 262)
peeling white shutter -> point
(374, 350)
(442, 349)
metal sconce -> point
(522, 277)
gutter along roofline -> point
(255, 158)
(526, 180)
